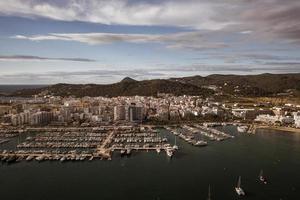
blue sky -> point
(94, 41)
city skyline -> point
(47, 42)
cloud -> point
(37, 58)
(194, 40)
(276, 18)
(189, 13)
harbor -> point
(79, 144)
(219, 164)
(101, 143)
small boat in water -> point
(158, 150)
(175, 147)
(262, 178)
(29, 158)
(209, 195)
(242, 129)
(128, 151)
(200, 143)
(239, 190)
(123, 151)
(169, 151)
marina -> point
(192, 169)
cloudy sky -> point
(102, 41)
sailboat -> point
(262, 178)
(175, 147)
(209, 198)
(238, 188)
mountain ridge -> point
(244, 85)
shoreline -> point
(285, 129)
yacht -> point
(262, 178)
(200, 143)
(169, 151)
(123, 152)
(239, 189)
(175, 147)
(242, 129)
(209, 198)
(128, 151)
(63, 158)
(158, 150)
(29, 158)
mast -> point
(239, 182)
(261, 173)
(209, 198)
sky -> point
(103, 41)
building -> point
(20, 119)
(120, 113)
(270, 119)
(135, 113)
(297, 119)
(41, 118)
(130, 113)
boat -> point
(209, 196)
(158, 150)
(200, 143)
(39, 158)
(262, 178)
(29, 158)
(62, 159)
(169, 151)
(239, 190)
(175, 147)
(128, 151)
(242, 129)
(123, 151)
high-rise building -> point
(130, 113)
(135, 113)
(120, 113)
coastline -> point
(285, 129)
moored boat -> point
(239, 190)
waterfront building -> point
(270, 119)
(297, 119)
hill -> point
(126, 87)
(249, 85)
(241, 85)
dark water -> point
(13, 88)
(151, 176)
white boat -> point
(128, 151)
(242, 129)
(169, 151)
(200, 143)
(63, 159)
(209, 198)
(158, 150)
(123, 151)
(262, 178)
(239, 190)
(175, 147)
(29, 158)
